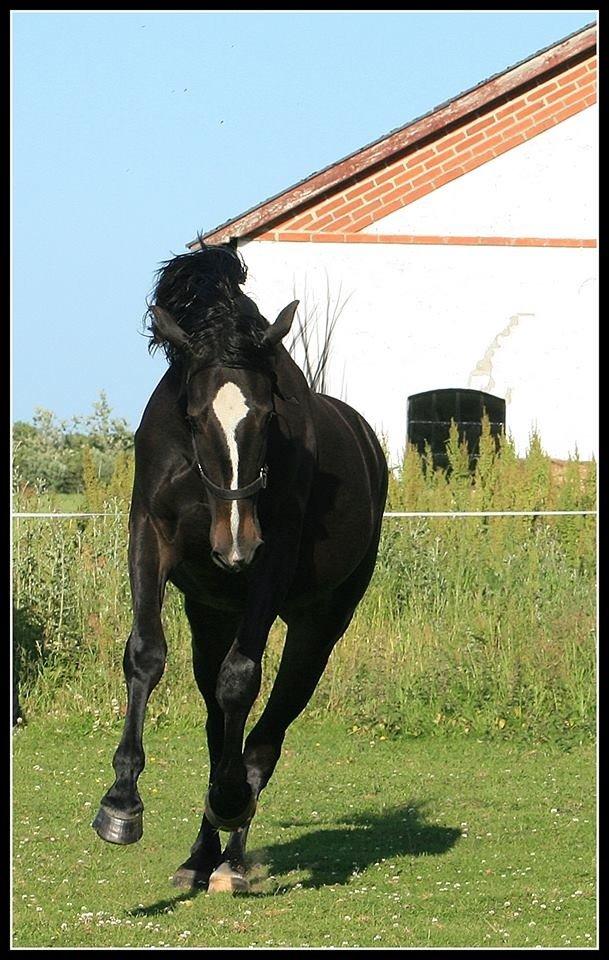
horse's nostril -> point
(232, 563)
(219, 560)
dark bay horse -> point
(258, 499)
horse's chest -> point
(201, 582)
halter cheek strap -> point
(223, 493)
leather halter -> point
(223, 493)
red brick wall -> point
(479, 139)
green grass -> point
(449, 803)
(52, 503)
(359, 841)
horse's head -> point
(229, 409)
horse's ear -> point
(165, 328)
(278, 330)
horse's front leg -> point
(120, 816)
(231, 801)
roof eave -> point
(260, 217)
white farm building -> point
(460, 251)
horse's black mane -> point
(201, 291)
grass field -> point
(448, 803)
(359, 841)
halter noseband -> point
(223, 493)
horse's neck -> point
(290, 378)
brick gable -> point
(344, 199)
(404, 179)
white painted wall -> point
(518, 322)
(545, 187)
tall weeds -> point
(478, 626)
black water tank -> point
(430, 413)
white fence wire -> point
(389, 515)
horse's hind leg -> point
(119, 819)
(312, 634)
(310, 639)
(212, 634)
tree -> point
(48, 453)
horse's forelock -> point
(201, 291)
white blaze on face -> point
(230, 408)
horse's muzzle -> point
(237, 559)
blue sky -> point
(132, 131)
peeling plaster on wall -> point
(587, 286)
(481, 377)
(403, 329)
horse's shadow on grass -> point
(333, 854)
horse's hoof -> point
(118, 828)
(227, 880)
(190, 879)
(222, 823)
